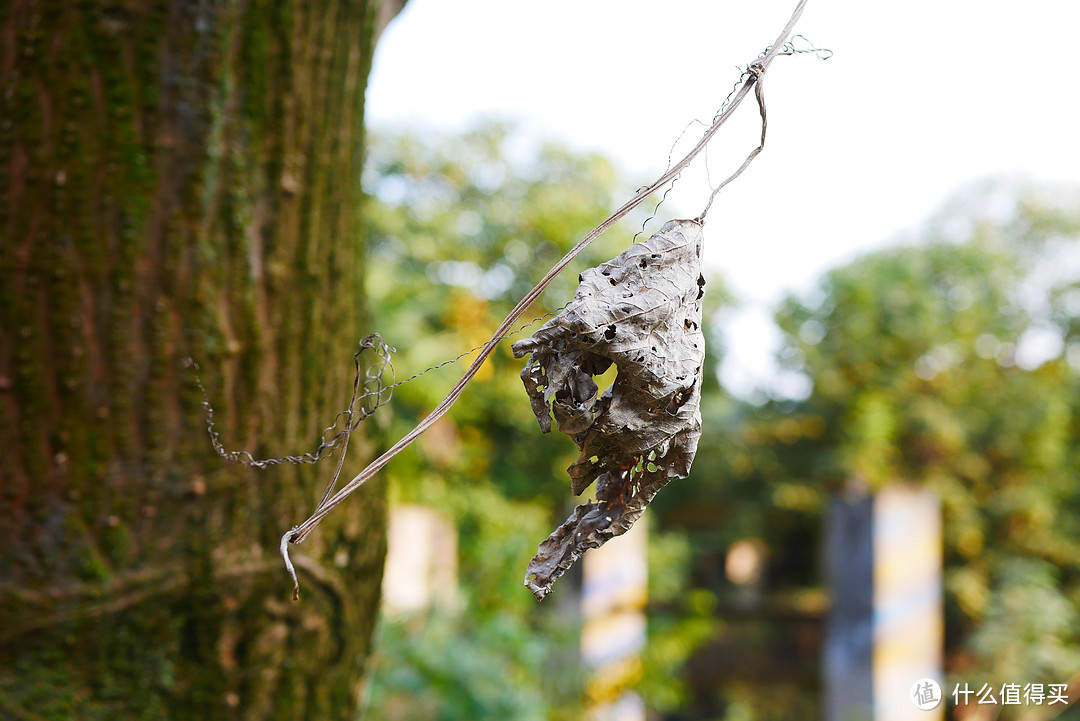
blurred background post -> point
(885, 628)
(613, 595)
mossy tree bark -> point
(179, 178)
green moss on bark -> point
(178, 180)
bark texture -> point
(179, 178)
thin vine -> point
(751, 78)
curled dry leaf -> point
(642, 312)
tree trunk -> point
(179, 178)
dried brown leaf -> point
(642, 312)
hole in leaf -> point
(610, 333)
(680, 397)
(642, 263)
(604, 380)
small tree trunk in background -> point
(179, 178)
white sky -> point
(920, 98)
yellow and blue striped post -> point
(613, 596)
(909, 628)
(885, 631)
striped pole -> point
(885, 631)
(613, 596)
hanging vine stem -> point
(759, 94)
(756, 70)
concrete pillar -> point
(613, 596)
(885, 630)
(421, 560)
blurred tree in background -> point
(179, 179)
(947, 364)
(461, 227)
(950, 362)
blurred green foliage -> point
(943, 362)
(950, 361)
(461, 228)
(459, 667)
